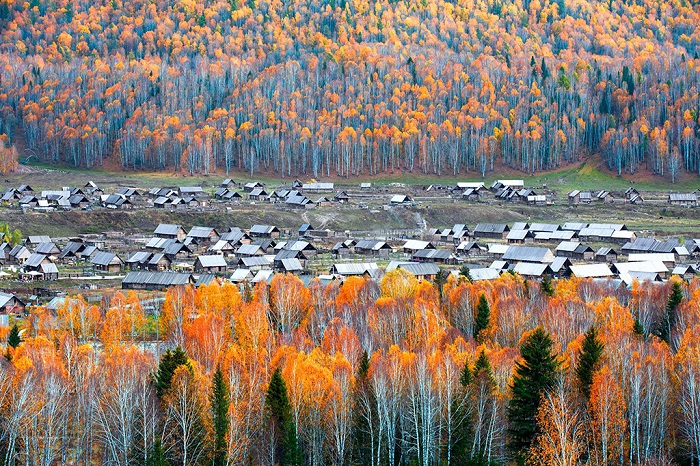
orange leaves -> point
(398, 284)
(178, 310)
(289, 302)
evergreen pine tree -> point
(440, 280)
(482, 366)
(362, 401)
(13, 339)
(546, 285)
(638, 328)
(483, 314)
(280, 416)
(156, 455)
(464, 272)
(545, 71)
(170, 361)
(588, 360)
(536, 373)
(674, 299)
(220, 402)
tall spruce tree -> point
(674, 300)
(363, 413)
(170, 361)
(536, 373)
(220, 402)
(546, 285)
(156, 455)
(482, 317)
(13, 341)
(588, 360)
(279, 411)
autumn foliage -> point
(347, 87)
(376, 373)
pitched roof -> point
(415, 245)
(291, 264)
(518, 234)
(544, 227)
(214, 260)
(369, 244)
(491, 228)
(240, 275)
(157, 278)
(591, 271)
(168, 229)
(419, 269)
(484, 273)
(104, 258)
(532, 269)
(528, 254)
(5, 298)
(684, 197)
(35, 260)
(49, 267)
(138, 257)
(255, 261)
(47, 248)
(262, 229)
(200, 232)
(249, 250)
(355, 268)
(318, 186)
(441, 254)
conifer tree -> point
(638, 328)
(13, 338)
(536, 373)
(220, 401)
(545, 71)
(363, 413)
(588, 360)
(279, 410)
(482, 366)
(156, 455)
(546, 286)
(464, 272)
(170, 361)
(674, 299)
(481, 319)
(13, 341)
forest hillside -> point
(352, 87)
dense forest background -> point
(347, 87)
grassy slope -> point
(589, 175)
